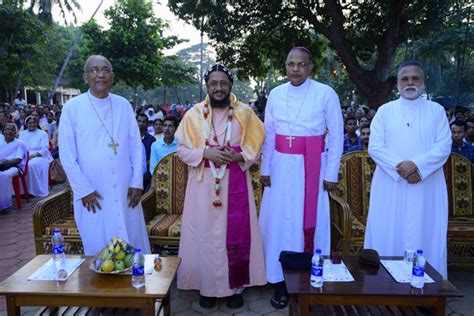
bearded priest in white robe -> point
(410, 141)
(301, 157)
(101, 152)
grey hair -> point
(91, 57)
(407, 63)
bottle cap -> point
(138, 250)
(318, 250)
(419, 251)
(56, 230)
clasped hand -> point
(408, 171)
(222, 155)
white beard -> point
(411, 92)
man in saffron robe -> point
(220, 243)
(410, 141)
(301, 157)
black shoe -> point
(235, 301)
(207, 302)
(280, 297)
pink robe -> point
(202, 248)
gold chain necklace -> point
(112, 143)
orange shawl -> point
(190, 132)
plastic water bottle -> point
(59, 257)
(418, 270)
(138, 272)
(317, 263)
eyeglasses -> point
(297, 65)
(216, 83)
(95, 71)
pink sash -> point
(238, 225)
(311, 148)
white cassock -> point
(402, 215)
(37, 177)
(309, 109)
(11, 150)
(91, 165)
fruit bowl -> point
(115, 258)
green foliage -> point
(20, 36)
(255, 36)
(133, 43)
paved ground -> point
(17, 248)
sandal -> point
(279, 301)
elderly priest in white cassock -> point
(410, 141)
(101, 152)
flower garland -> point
(218, 175)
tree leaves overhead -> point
(254, 36)
(133, 43)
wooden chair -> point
(16, 185)
(163, 203)
(56, 211)
(459, 174)
(350, 204)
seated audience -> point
(364, 138)
(350, 138)
(157, 128)
(37, 143)
(165, 145)
(470, 131)
(460, 146)
(11, 158)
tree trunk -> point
(164, 95)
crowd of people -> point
(109, 148)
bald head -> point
(95, 58)
(99, 75)
(302, 50)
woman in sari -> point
(11, 158)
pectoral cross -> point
(114, 145)
(290, 140)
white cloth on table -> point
(402, 215)
(91, 165)
(310, 109)
(38, 168)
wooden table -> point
(371, 287)
(88, 288)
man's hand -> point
(406, 168)
(134, 195)
(413, 178)
(91, 201)
(233, 156)
(216, 154)
(329, 186)
(265, 180)
(221, 155)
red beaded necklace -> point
(218, 175)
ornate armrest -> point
(341, 221)
(149, 204)
(49, 211)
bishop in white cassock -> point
(410, 141)
(297, 110)
(101, 152)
